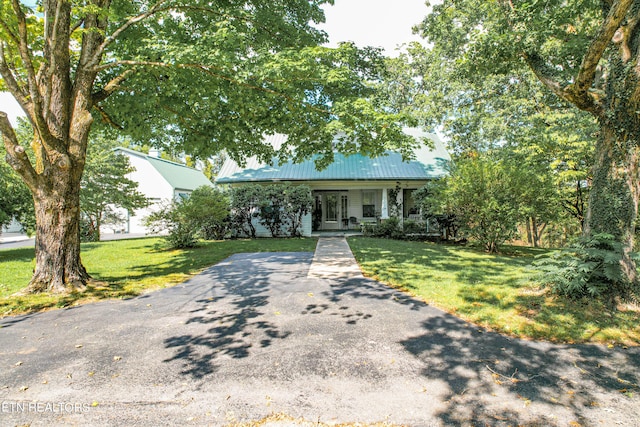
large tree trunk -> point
(58, 100)
(613, 201)
(58, 265)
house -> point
(159, 180)
(353, 189)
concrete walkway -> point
(333, 260)
(300, 334)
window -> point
(332, 208)
(181, 196)
(368, 204)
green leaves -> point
(481, 193)
(105, 187)
(590, 267)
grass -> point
(494, 291)
(126, 268)
(497, 292)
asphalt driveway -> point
(262, 334)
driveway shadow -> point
(231, 311)
(493, 380)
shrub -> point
(207, 210)
(170, 218)
(413, 227)
(478, 198)
(297, 204)
(271, 204)
(204, 214)
(591, 267)
(388, 229)
(244, 205)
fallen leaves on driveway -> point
(280, 419)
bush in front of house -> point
(205, 214)
(271, 207)
(207, 210)
(170, 219)
(388, 229)
(297, 204)
(244, 204)
(280, 208)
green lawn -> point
(127, 268)
(493, 291)
(496, 292)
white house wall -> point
(153, 185)
(150, 183)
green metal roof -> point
(428, 164)
(178, 176)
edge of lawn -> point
(495, 292)
(127, 268)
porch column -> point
(384, 212)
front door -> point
(334, 212)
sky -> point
(378, 23)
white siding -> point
(153, 185)
(150, 183)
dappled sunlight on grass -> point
(127, 268)
(494, 291)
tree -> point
(585, 53)
(511, 115)
(105, 187)
(478, 193)
(196, 75)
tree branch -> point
(111, 86)
(208, 70)
(107, 118)
(95, 59)
(592, 57)
(589, 101)
(36, 99)
(12, 83)
(16, 155)
(157, 8)
(10, 33)
(25, 54)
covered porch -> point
(337, 208)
